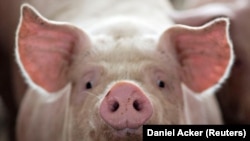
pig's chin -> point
(127, 133)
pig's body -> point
(118, 55)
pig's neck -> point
(201, 109)
(90, 14)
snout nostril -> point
(137, 106)
(125, 108)
(115, 106)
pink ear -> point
(45, 49)
(204, 53)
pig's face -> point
(119, 84)
(124, 69)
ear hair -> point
(190, 43)
(44, 49)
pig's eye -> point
(161, 84)
(88, 85)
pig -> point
(233, 97)
(113, 67)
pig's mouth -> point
(124, 134)
(127, 132)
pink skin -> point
(125, 106)
(90, 87)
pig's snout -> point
(125, 106)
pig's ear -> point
(45, 49)
(204, 53)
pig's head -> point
(120, 83)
